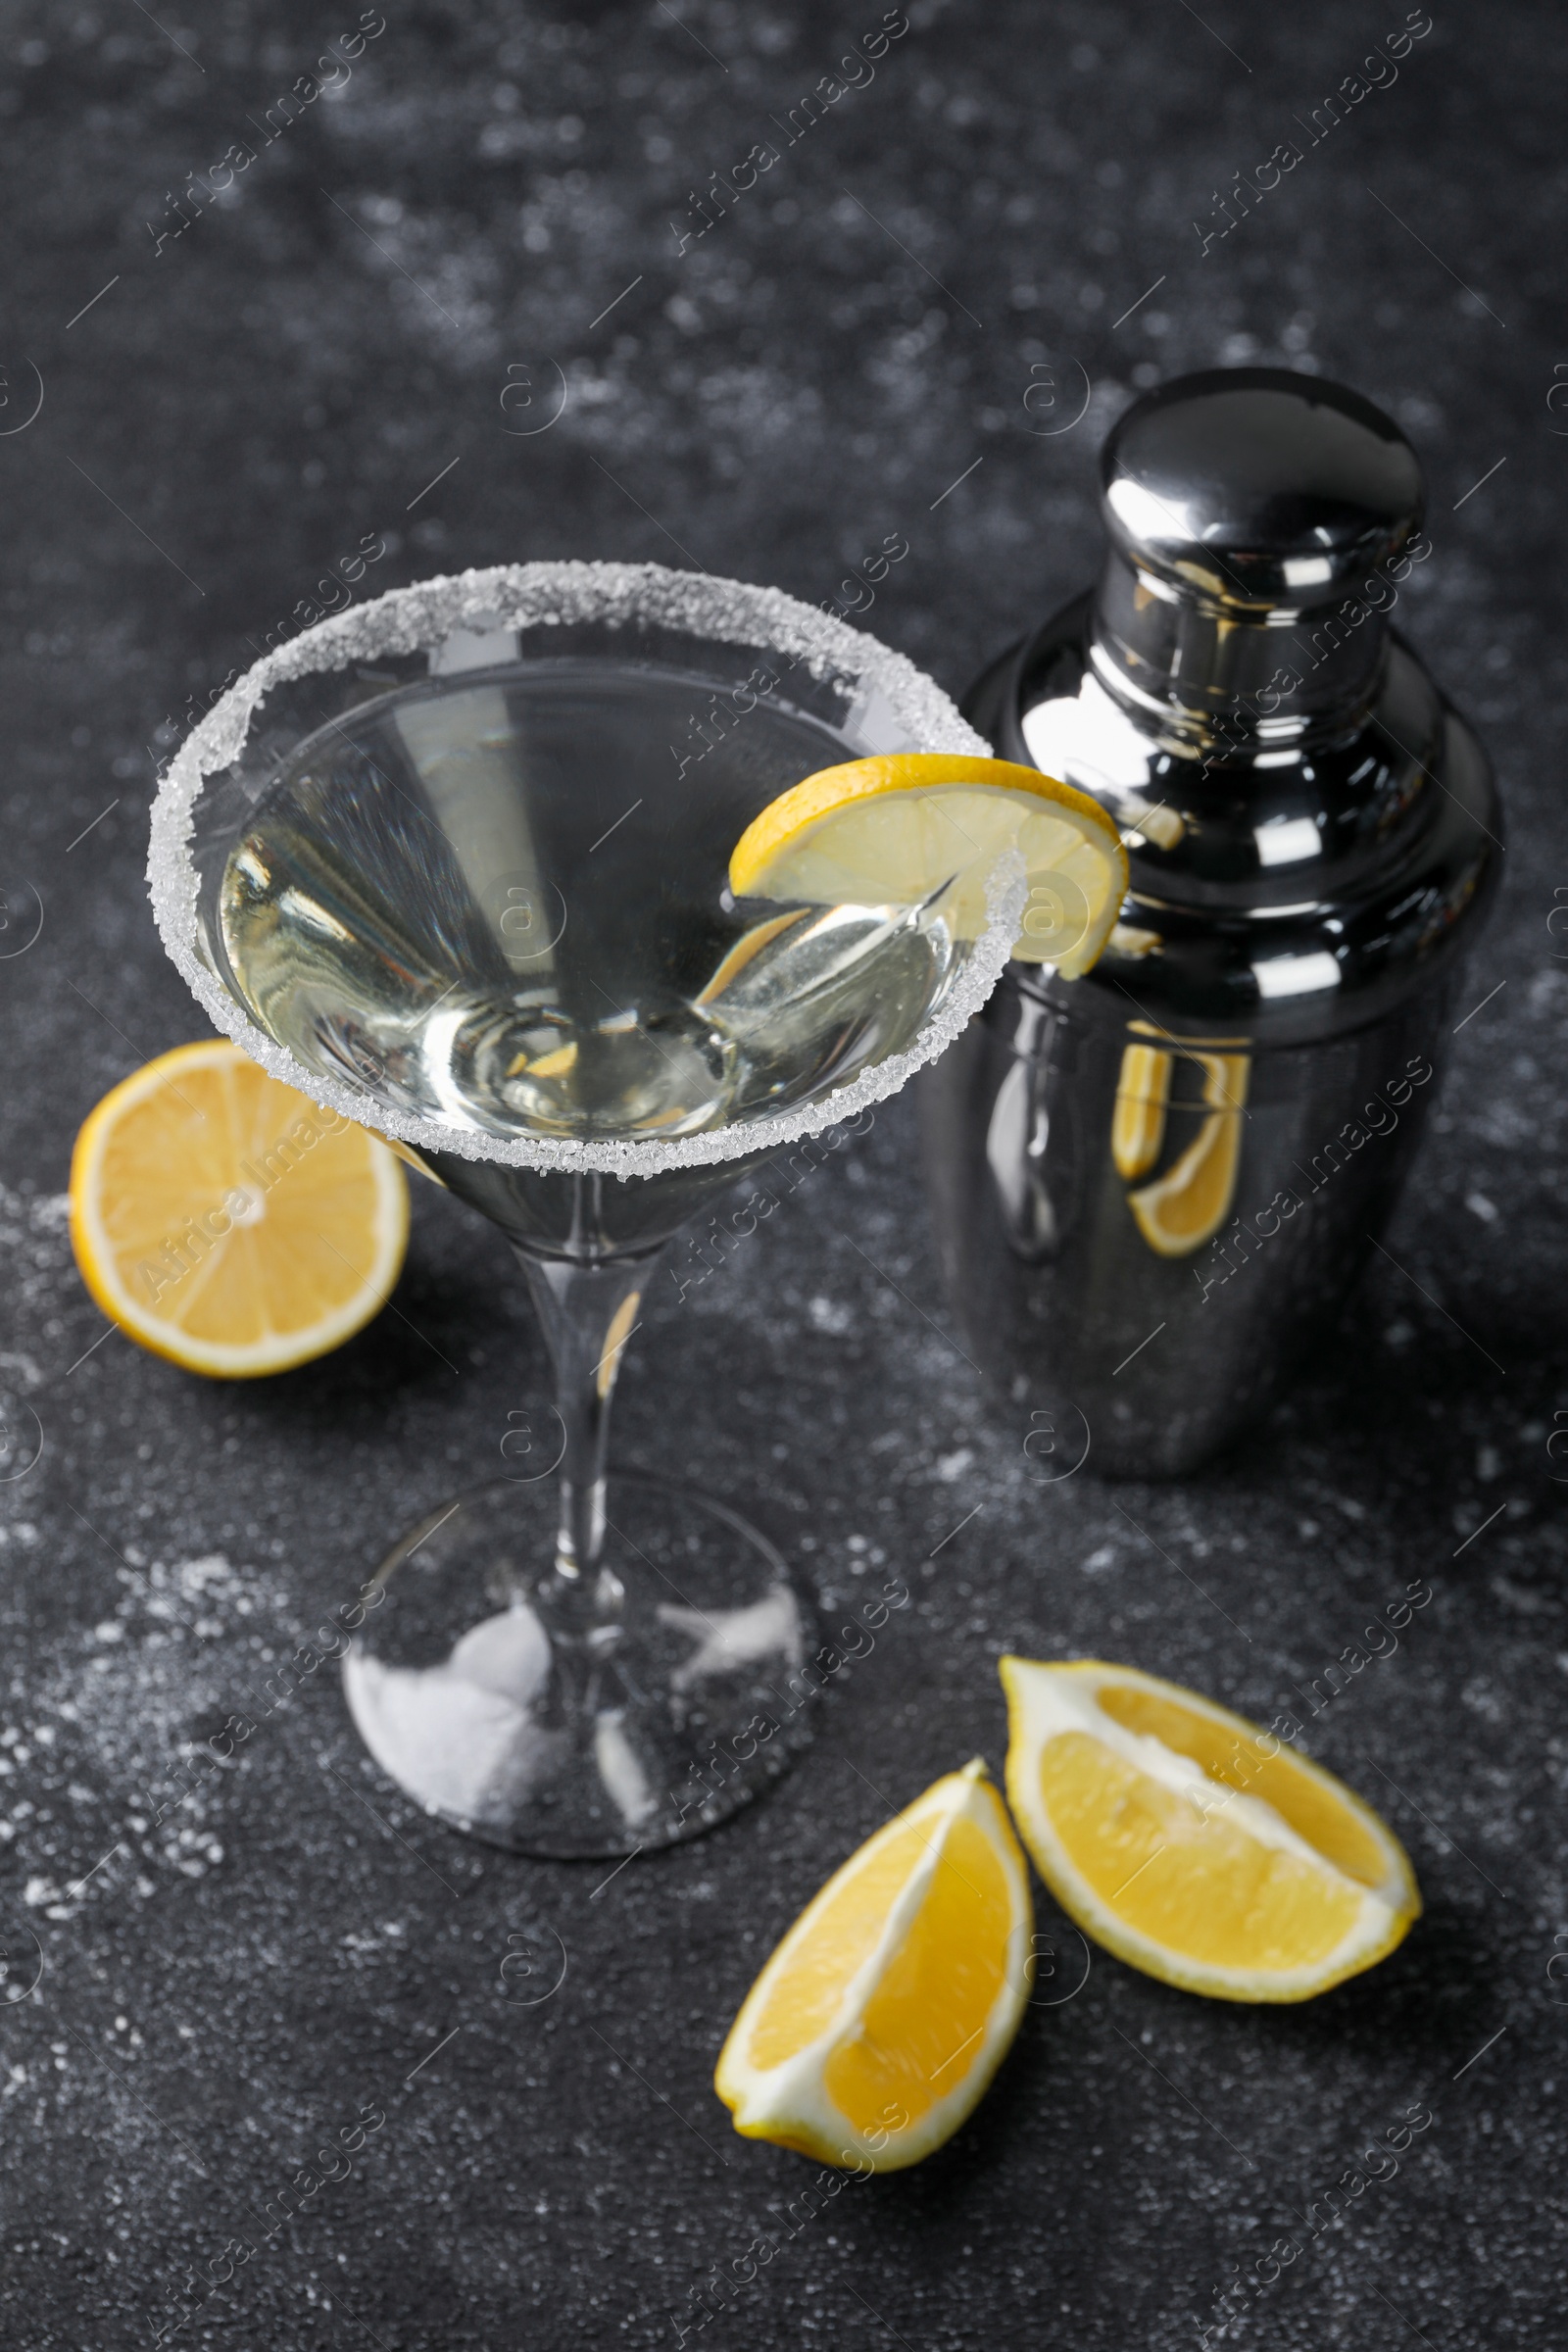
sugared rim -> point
(528, 595)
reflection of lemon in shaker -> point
(1186, 1205)
(1137, 1122)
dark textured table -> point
(458, 302)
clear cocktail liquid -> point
(495, 899)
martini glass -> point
(455, 864)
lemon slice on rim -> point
(901, 829)
(1193, 1846)
(228, 1223)
(875, 2028)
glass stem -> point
(588, 1310)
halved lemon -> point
(228, 1223)
(1193, 1846)
(898, 830)
(876, 2027)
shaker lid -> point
(1257, 486)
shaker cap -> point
(1257, 486)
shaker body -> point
(1153, 1186)
(1147, 1357)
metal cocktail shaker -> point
(1154, 1186)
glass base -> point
(565, 1724)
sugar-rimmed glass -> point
(454, 865)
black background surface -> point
(233, 411)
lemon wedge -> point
(876, 2025)
(1190, 1844)
(226, 1222)
(902, 829)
